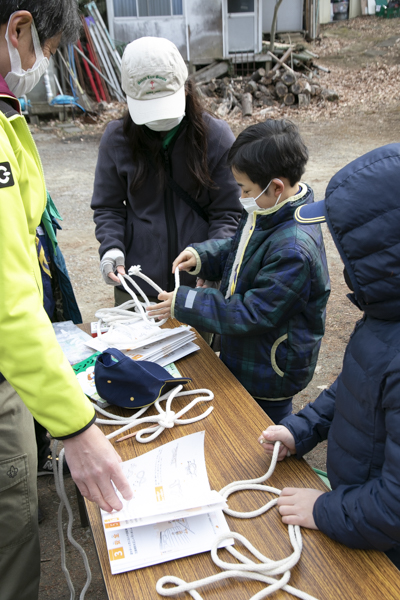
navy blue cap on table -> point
(129, 383)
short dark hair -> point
(268, 150)
(51, 17)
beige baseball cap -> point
(153, 75)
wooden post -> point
(273, 25)
(247, 105)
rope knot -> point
(134, 270)
(167, 420)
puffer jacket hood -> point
(363, 214)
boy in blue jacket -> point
(270, 308)
(360, 413)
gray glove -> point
(111, 260)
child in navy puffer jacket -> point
(360, 413)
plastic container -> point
(340, 7)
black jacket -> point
(154, 225)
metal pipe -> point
(96, 69)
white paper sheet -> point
(133, 336)
(139, 547)
(172, 493)
(164, 481)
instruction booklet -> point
(173, 512)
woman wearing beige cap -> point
(161, 180)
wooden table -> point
(326, 570)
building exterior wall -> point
(324, 11)
(354, 8)
(127, 29)
(197, 33)
(290, 15)
(204, 19)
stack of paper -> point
(173, 512)
(145, 342)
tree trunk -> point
(273, 25)
(281, 89)
(289, 99)
(206, 74)
(263, 89)
(265, 81)
(304, 99)
(257, 75)
(250, 87)
(247, 105)
(297, 88)
(288, 78)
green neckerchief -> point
(51, 211)
(169, 137)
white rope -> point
(121, 315)
(264, 571)
(59, 481)
(165, 419)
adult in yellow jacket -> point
(35, 373)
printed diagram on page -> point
(173, 511)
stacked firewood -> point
(278, 87)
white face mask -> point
(164, 124)
(18, 80)
(250, 204)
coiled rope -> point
(263, 571)
(266, 569)
(59, 481)
(165, 419)
(122, 315)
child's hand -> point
(206, 283)
(163, 309)
(278, 433)
(296, 506)
(186, 261)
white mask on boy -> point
(250, 204)
(18, 80)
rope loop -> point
(165, 419)
(266, 570)
(133, 310)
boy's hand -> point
(201, 283)
(163, 309)
(206, 283)
(186, 261)
(278, 433)
(296, 506)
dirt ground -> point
(361, 55)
